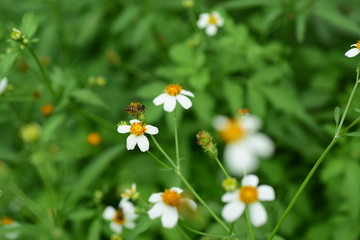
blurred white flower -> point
(8, 222)
(3, 85)
(354, 51)
(210, 21)
(137, 130)
(167, 204)
(130, 193)
(173, 93)
(243, 143)
(249, 194)
(124, 216)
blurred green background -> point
(283, 59)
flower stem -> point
(163, 152)
(176, 143)
(158, 160)
(251, 232)
(202, 233)
(302, 187)
(222, 167)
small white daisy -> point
(249, 194)
(130, 193)
(137, 130)
(210, 21)
(243, 143)
(3, 85)
(173, 93)
(8, 222)
(124, 216)
(167, 204)
(354, 51)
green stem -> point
(183, 233)
(158, 160)
(302, 187)
(348, 104)
(46, 78)
(356, 121)
(202, 233)
(232, 225)
(202, 202)
(163, 152)
(176, 143)
(251, 232)
(222, 167)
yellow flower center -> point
(119, 217)
(94, 139)
(47, 109)
(212, 19)
(232, 132)
(6, 221)
(248, 194)
(137, 128)
(171, 198)
(358, 44)
(173, 89)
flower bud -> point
(30, 132)
(229, 184)
(206, 142)
(188, 3)
(16, 34)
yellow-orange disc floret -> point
(171, 198)
(137, 128)
(248, 194)
(94, 139)
(119, 217)
(47, 109)
(212, 19)
(173, 89)
(7, 221)
(358, 44)
(232, 132)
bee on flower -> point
(167, 205)
(137, 136)
(243, 143)
(354, 51)
(211, 22)
(248, 195)
(174, 93)
(8, 222)
(3, 85)
(124, 216)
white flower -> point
(354, 51)
(249, 194)
(124, 216)
(137, 130)
(10, 223)
(130, 193)
(167, 205)
(3, 85)
(210, 21)
(243, 143)
(173, 93)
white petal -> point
(176, 189)
(184, 101)
(127, 206)
(134, 121)
(239, 159)
(219, 19)
(151, 129)
(187, 93)
(170, 217)
(131, 142)
(3, 84)
(157, 210)
(211, 30)
(129, 224)
(143, 143)
(160, 99)
(251, 123)
(155, 197)
(352, 52)
(220, 122)
(170, 103)
(203, 20)
(233, 211)
(188, 202)
(109, 213)
(123, 128)
(257, 214)
(250, 180)
(266, 193)
(230, 196)
(261, 144)
(116, 227)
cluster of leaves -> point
(281, 59)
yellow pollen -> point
(119, 217)
(358, 45)
(137, 128)
(173, 89)
(6, 221)
(248, 194)
(171, 198)
(232, 132)
(212, 19)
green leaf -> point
(352, 134)
(151, 90)
(87, 96)
(200, 80)
(141, 227)
(51, 127)
(203, 106)
(256, 101)
(181, 54)
(6, 63)
(29, 24)
(125, 19)
(236, 4)
(301, 21)
(233, 95)
(337, 116)
(94, 230)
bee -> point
(135, 109)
